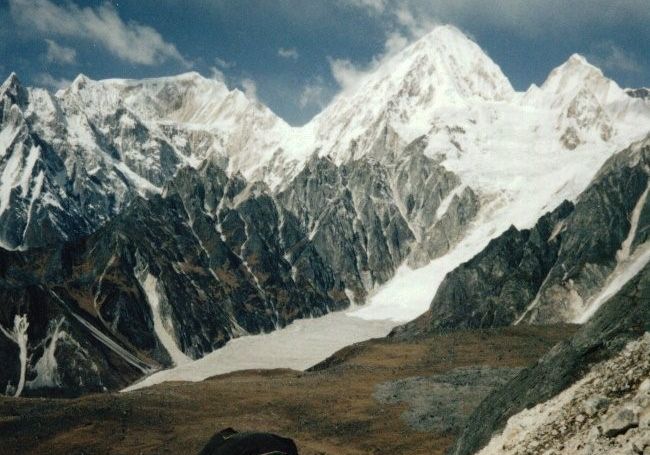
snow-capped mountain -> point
(443, 90)
(431, 156)
(403, 99)
(99, 144)
(199, 117)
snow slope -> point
(515, 152)
(297, 346)
(151, 289)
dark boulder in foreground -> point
(230, 442)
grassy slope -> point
(330, 410)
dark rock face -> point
(70, 168)
(230, 442)
(68, 353)
(552, 273)
(31, 168)
(367, 217)
(639, 92)
(623, 318)
(137, 238)
(225, 260)
(593, 239)
(494, 287)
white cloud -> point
(132, 42)
(224, 64)
(414, 24)
(346, 74)
(217, 71)
(48, 81)
(60, 54)
(250, 88)
(291, 53)
(314, 94)
(609, 56)
(372, 6)
(217, 74)
(349, 76)
(530, 17)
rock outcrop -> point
(367, 217)
(606, 412)
(622, 319)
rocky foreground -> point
(606, 412)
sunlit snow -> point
(297, 346)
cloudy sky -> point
(294, 55)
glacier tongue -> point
(298, 346)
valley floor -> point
(348, 404)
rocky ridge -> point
(606, 412)
(169, 279)
(623, 319)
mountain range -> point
(144, 223)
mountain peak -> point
(13, 88)
(577, 75)
(578, 59)
(191, 78)
(11, 80)
(80, 82)
(403, 92)
(574, 70)
(456, 65)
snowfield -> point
(298, 346)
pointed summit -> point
(12, 88)
(452, 59)
(577, 59)
(12, 80)
(576, 68)
(577, 74)
(402, 94)
(80, 82)
(447, 32)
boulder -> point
(620, 422)
(231, 442)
